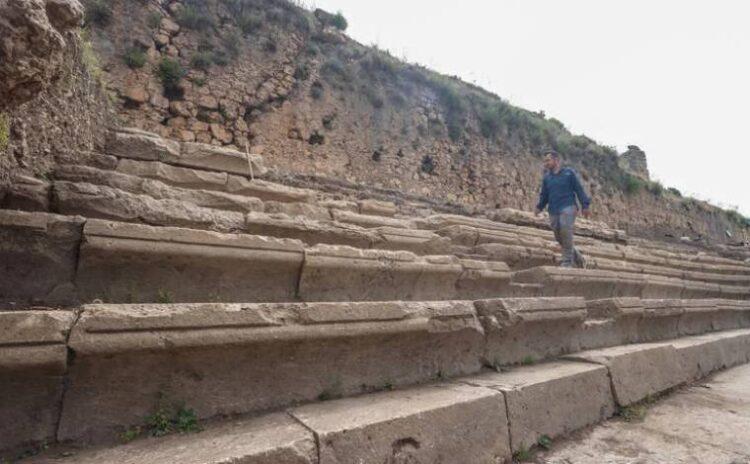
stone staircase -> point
(313, 326)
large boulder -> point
(32, 40)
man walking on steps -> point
(560, 187)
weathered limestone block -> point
(100, 201)
(379, 208)
(591, 283)
(343, 205)
(38, 257)
(340, 273)
(483, 279)
(704, 354)
(551, 399)
(224, 359)
(200, 155)
(271, 439)
(638, 370)
(157, 189)
(612, 321)
(446, 423)
(414, 240)
(308, 231)
(370, 221)
(519, 329)
(122, 262)
(33, 360)
(173, 175)
(26, 193)
(516, 256)
(141, 145)
(268, 191)
(305, 210)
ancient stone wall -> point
(51, 103)
(272, 78)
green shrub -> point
(135, 57)
(231, 42)
(186, 421)
(249, 23)
(4, 132)
(153, 20)
(192, 17)
(98, 12)
(339, 21)
(633, 184)
(675, 192)
(455, 108)
(316, 90)
(427, 165)
(170, 72)
(302, 72)
(270, 46)
(201, 60)
(655, 188)
(335, 69)
(489, 121)
(159, 423)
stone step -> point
(481, 418)
(120, 361)
(596, 283)
(522, 251)
(140, 145)
(125, 262)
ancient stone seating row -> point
(598, 283)
(149, 179)
(76, 260)
(118, 363)
(62, 260)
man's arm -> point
(581, 194)
(543, 198)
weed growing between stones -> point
(545, 442)
(135, 58)
(4, 132)
(637, 412)
(524, 454)
(528, 361)
(164, 297)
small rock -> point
(221, 134)
(136, 94)
(170, 26)
(208, 102)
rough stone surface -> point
(31, 54)
(273, 439)
(339, 273)
(223, 359)
(519, 329)
(638, 370)
(447, 423)
(122, 262)
(103, 202)
(38, 254)
(33, 359)
(551, 399)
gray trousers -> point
(563, 225)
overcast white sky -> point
(671, 76)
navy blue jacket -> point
(560, 190)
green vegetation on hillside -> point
(4, 132)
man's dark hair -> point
(552, 153)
